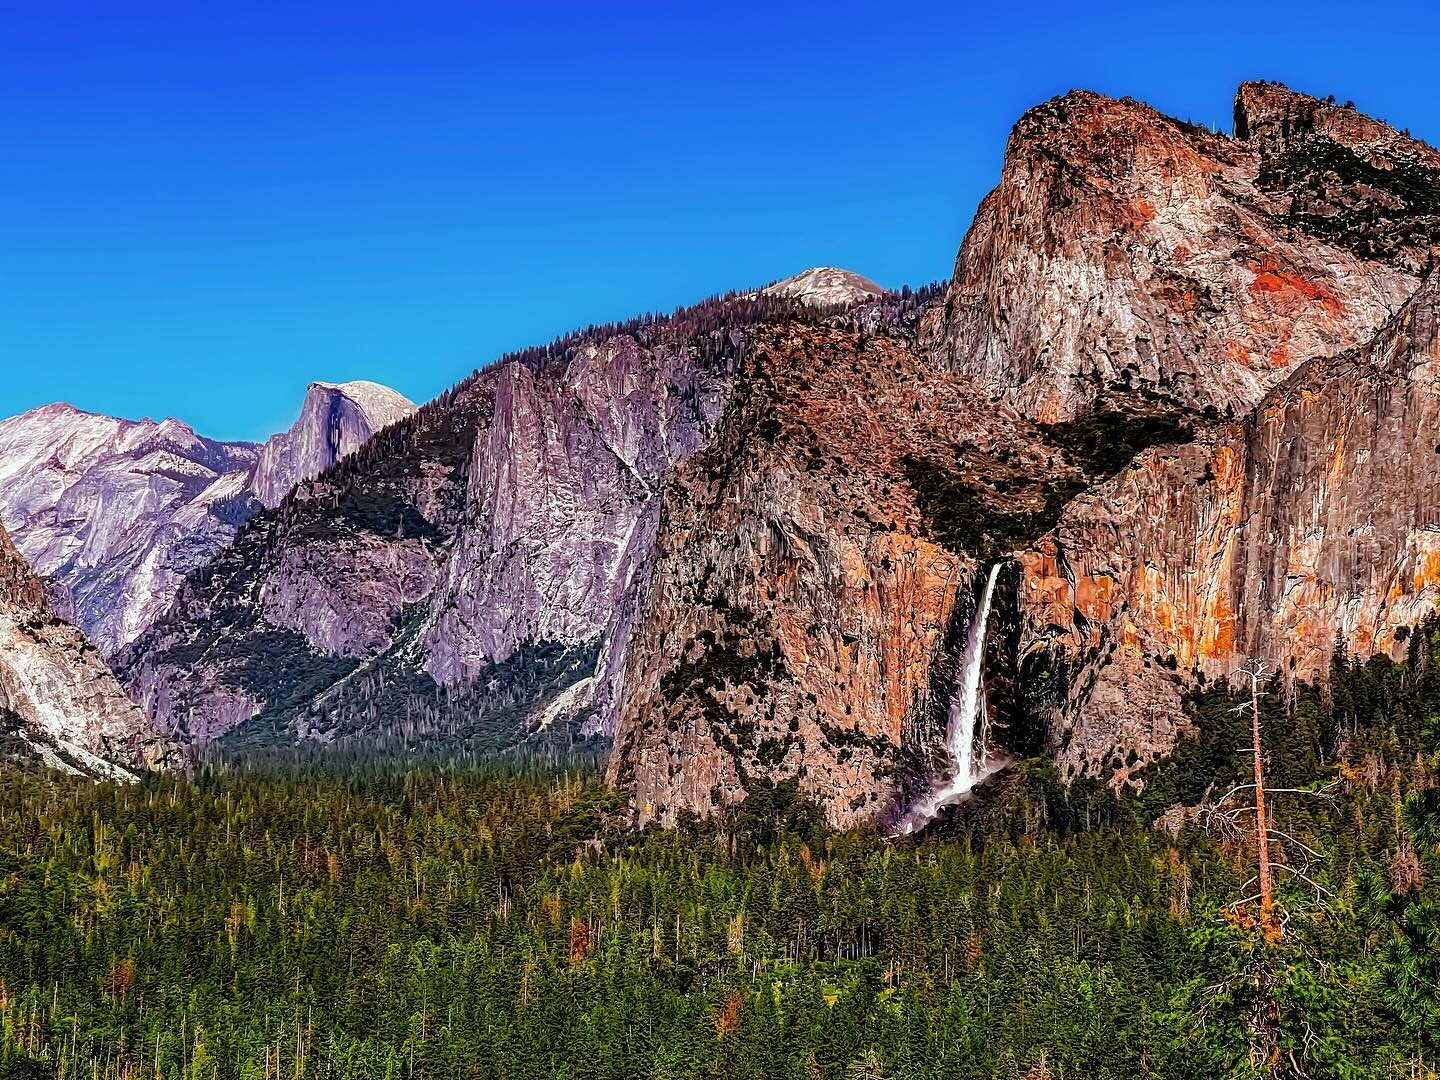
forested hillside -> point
(332, 919)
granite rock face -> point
(115, 513)
(1288, 531)
(1336, 173)
(472, 572)
(802, 613)
(312, 589)
(1131, 284)
(562, 486)
(1314, 520)
(335, 419)
(1124, 250)
(59, 703)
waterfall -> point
(967, 711)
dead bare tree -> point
(1255, 669)
(1276, 850)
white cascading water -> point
(966, 711)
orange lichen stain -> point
(1273, 412)
(1280, 356)
(1227, 470)
(1362, 641)
(1337, 462)
(1092, 596)
(1237, 352)
(1219, 640)
(1181, 255)
(1144, 211)
(1044, 589)
(1269, 278)
(1427, 570)
(852, 565)
(1164, 612)
(1130, 639)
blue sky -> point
(205, 206)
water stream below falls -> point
(967, 746)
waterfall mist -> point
(968, 747)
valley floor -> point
(365, 919)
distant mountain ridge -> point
(114, 513)
(466, 566)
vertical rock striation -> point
(1315, 520)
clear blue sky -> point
(205, 206)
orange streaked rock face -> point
(1316, 519)
(799, 601)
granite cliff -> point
(1125, 250)
(59, 703)
(1132, 282)
(467, 574)
(115, 513)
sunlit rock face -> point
(59, 703)
(1133, 281)
(472, 571)
(335, 419)
(1316, 520)
(801, 597)
(1306, 524)
(1125, 250)
(115, 513)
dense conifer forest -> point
(339, 918)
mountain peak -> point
(1274, 119)
(825, 286)
(335, 419)
(381, 404)
(1230, 301)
